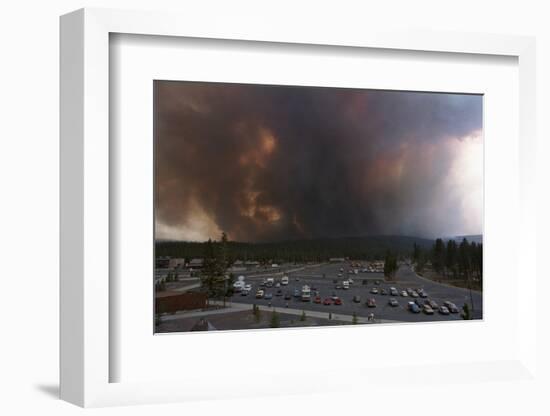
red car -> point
(327, 301)
(337, 301)
(371, 303)
(317, 299)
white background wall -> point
(29, 207)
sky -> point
(274, 163)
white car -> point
(404, 293)
(247, 287)
(345, 284)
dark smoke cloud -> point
(272, 163)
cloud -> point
(272, 163)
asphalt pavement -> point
(321, 279)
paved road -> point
(322, 278)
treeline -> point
(390, 264)
(452, 260)
(296, 251)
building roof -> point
(203, 325)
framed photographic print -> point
(287, 200)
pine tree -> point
(438, 256)
(274, 320)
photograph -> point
(281, 206)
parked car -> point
(357, 299)
(248, 287)
(451, 306)
(337, 301)
(317, 299)
(268, 296)
(277, 284)
(423, 294)
(377, 282)
(287, 296)
(371, 303)
(333, 297)
(404, 294)
(259, 294)
(428, 309)
(393, 302)
(374, 291)
(393, 291)
(279, 293)
(383, 292)
(414, 294)
(432, 303)
(327, 301)
(244, 292)
(443, 310)
(297, 293)
(413, 307)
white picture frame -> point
(85, 213)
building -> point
(162, 262)
(203, 325)
(176, 262)
(196, 264)
(170, 302)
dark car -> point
(268, 296)
(377, 282)
(357, 299)
(297, 293)
(413, 307)
(327, 301)
(287, 296)
(279, 293)
(383, 292)
(337, 301)
(317, 299)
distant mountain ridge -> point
(476, 238)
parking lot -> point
(321, 280)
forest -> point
(296, 251)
